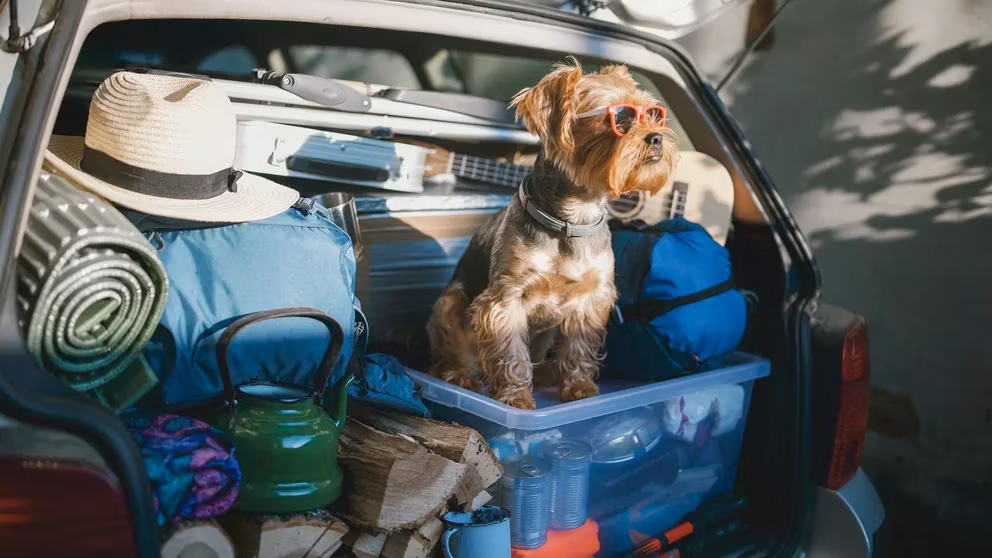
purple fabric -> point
(190, 464)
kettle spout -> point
(340, 412)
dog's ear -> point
(617, 70)
(548, 108)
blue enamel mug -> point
(483, 533)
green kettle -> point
(285, 442)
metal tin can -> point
(525, 490)
(570, 460)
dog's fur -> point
(522, 292)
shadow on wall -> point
(882, 145)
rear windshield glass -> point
(231, 49)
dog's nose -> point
(655, 140)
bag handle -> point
(323, 370)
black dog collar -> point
(552, 223)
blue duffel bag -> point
(677, 307)
(218, 274)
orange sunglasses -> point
(623, 117)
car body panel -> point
(845, 521)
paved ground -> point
(874, 117)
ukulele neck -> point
(486, 170)
(677, 201)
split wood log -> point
(414, 543)
(405, 544)
(197, 539)
(314, 534)
(480, 500)
(391, 481)
(432, 531)
(364, 544)
(458, 443)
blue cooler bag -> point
(677, 306)
(218, 274)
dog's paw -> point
(581, 390)
(519, 400)
(463, 380)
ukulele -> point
(445, 166)
(701, 190)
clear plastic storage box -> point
(655, 451)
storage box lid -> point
(615, 395)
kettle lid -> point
(276, 393)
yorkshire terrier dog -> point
(535, 287)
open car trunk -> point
(412, 235)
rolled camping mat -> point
(91, 291)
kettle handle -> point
(326, 364)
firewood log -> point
(197, 539)
(458, 443)
(364, 544)
(480, 500)
(391, 481)
(414, 543)
(315, 534)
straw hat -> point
(165, 145)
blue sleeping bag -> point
(677, 305)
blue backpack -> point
(677, 305)
(218, 274)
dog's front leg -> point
(582, 335)
(500, 324)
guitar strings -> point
(668, 204)
(480, 168)
(484, 169)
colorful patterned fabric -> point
(191, 465)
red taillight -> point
(57, 507)
(852, 414)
